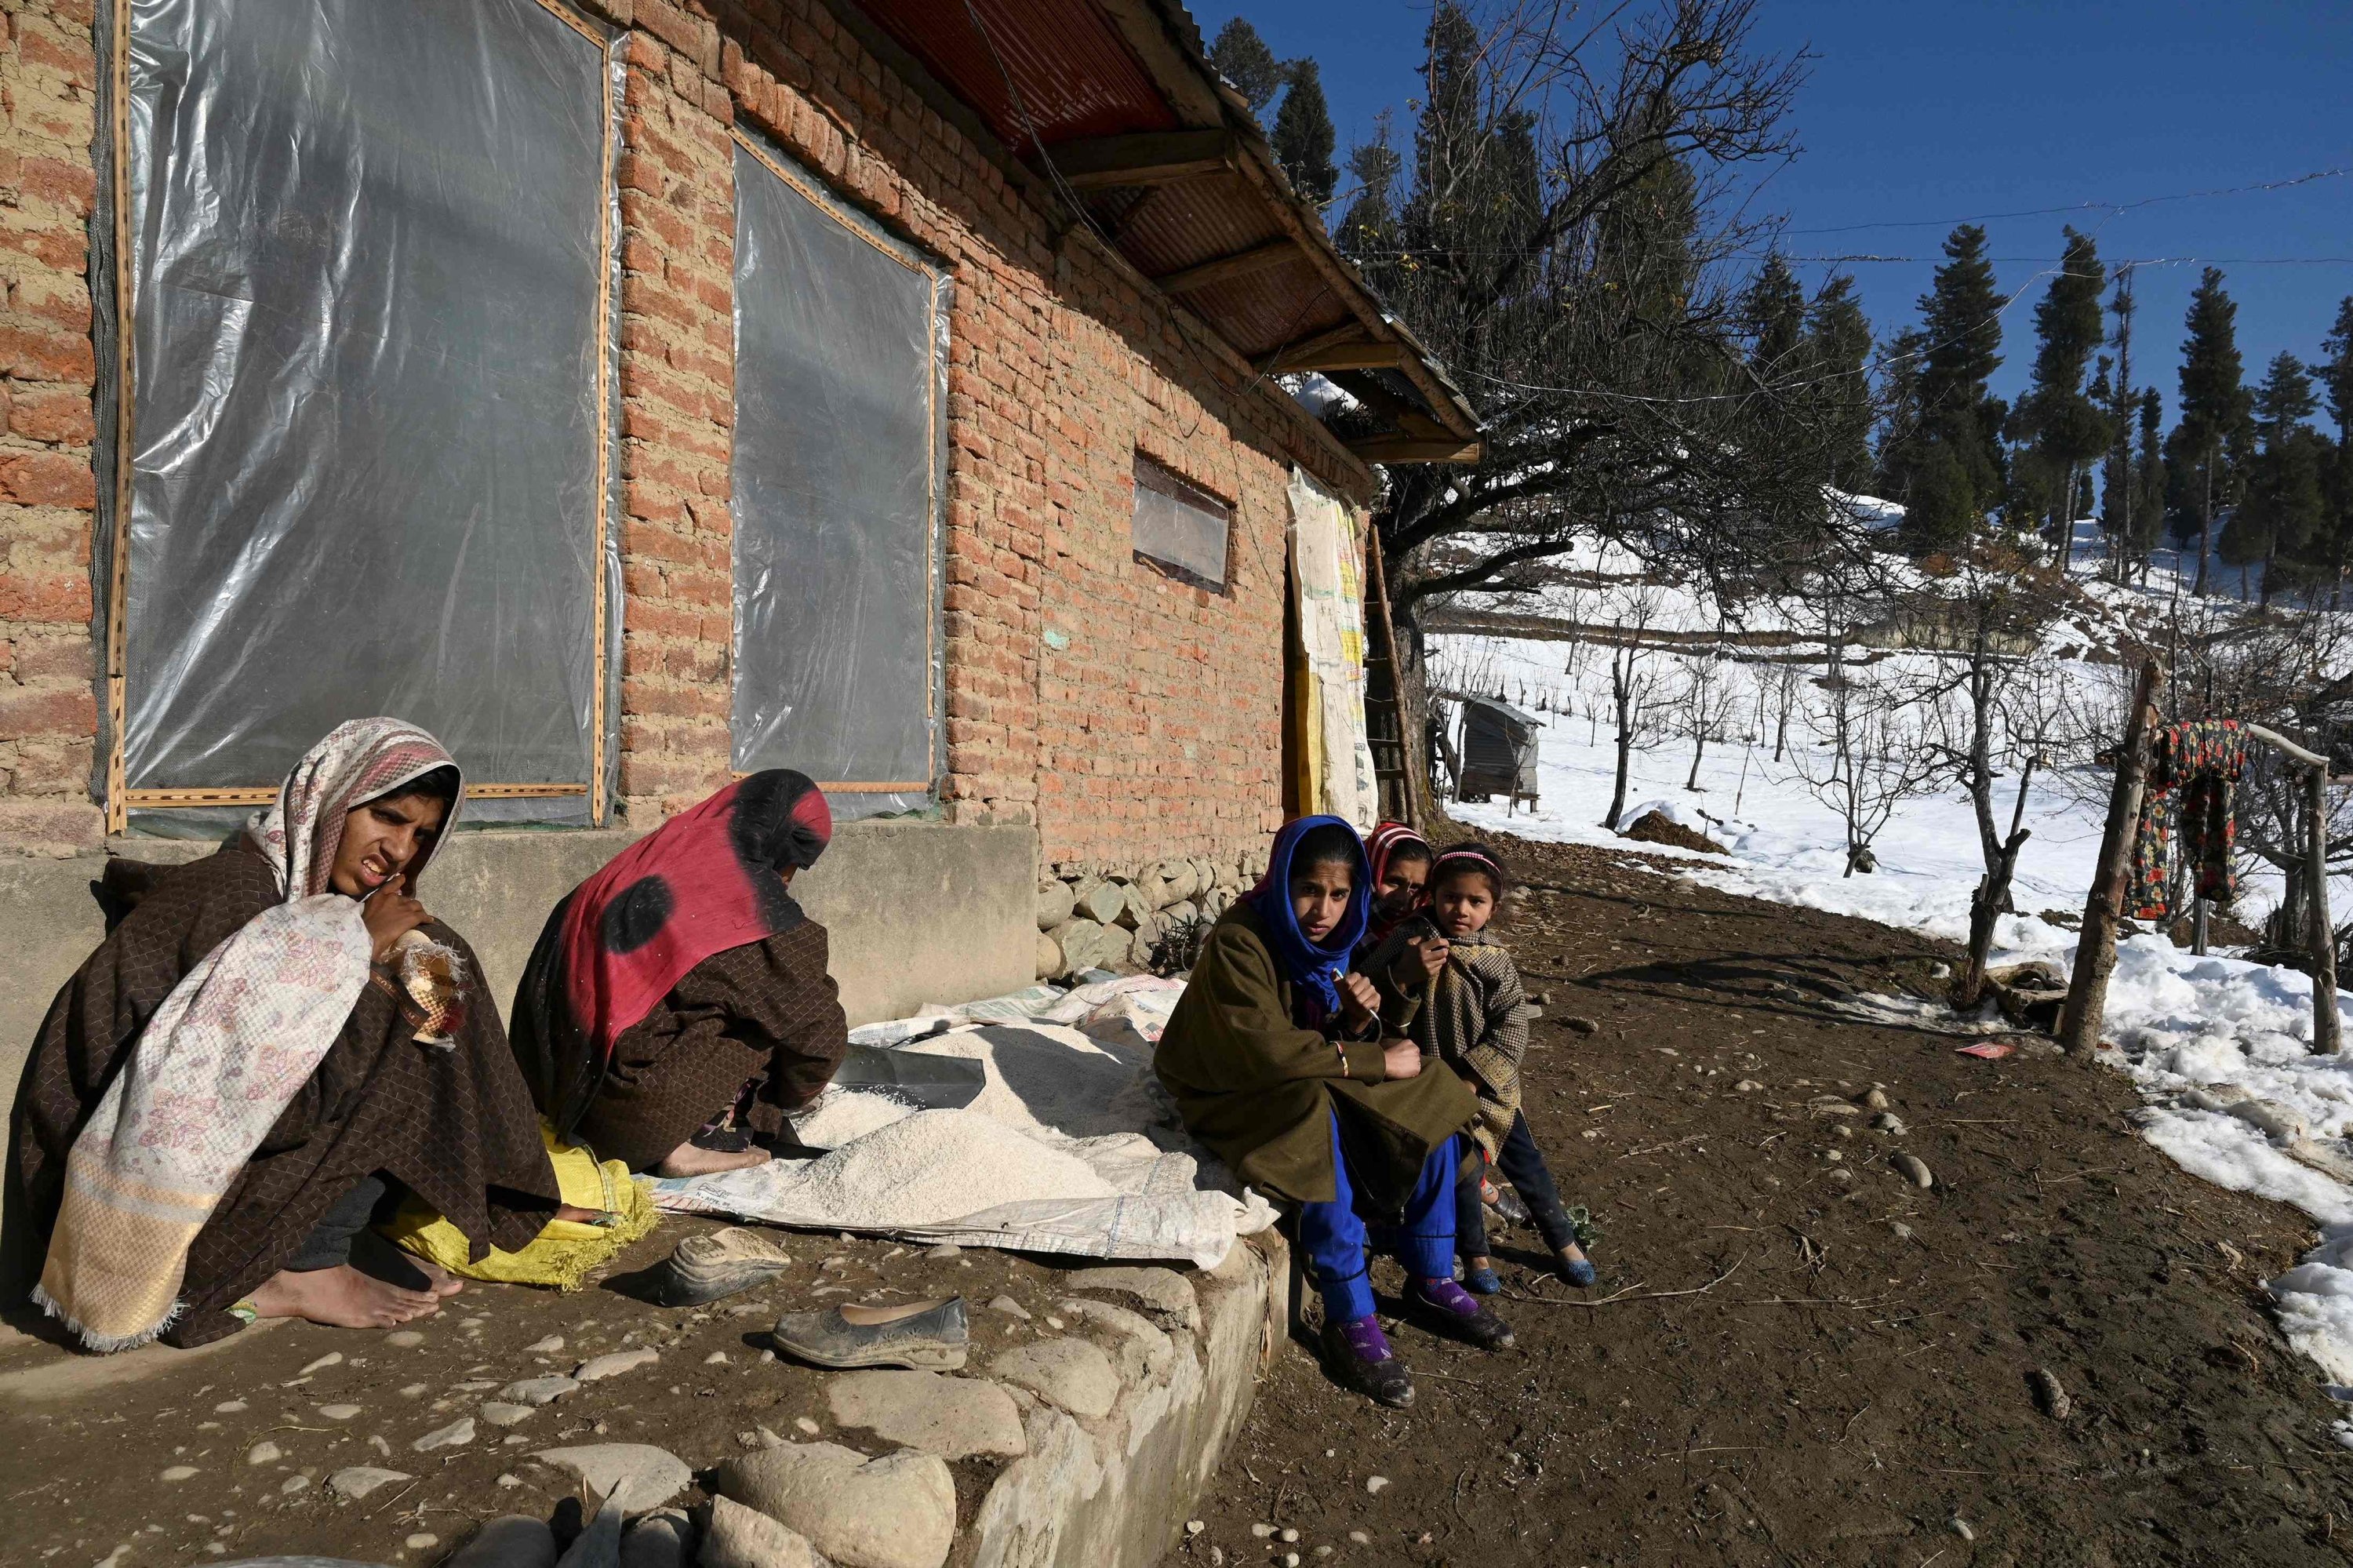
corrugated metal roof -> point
(1046, 75)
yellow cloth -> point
(562, 1255)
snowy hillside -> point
(2217, 1045)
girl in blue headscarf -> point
(1283, 1062)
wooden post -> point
(2095, 948)
(2326, 1035)
(1411, 754)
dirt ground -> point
(1794, 1356)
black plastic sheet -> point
(368, 269)
(839, 354)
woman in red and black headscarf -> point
(677, 1003)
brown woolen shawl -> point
(454, 1124)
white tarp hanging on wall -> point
(1327, 578)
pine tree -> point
(2120, 517)
(1775, 312)
(1837, 346)
(1242, 58)
(2282, 511)
(2213, 408)
(2149, 480)
(2067, 429)
(1960, 327)
(1368, 231)
(1302, 134)
(2336, 373)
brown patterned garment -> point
(453, 1124)
(765, 1017)
(1474, 1018)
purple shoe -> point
(1447, 1308)
(1359, 1358)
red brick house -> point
(636, 392)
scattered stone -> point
(229, 1407)
(600, 1545)
(804, 1424)
(898, 1511)
(1262, 1531)
(634, 1476)
(1374, 1484)
(538, 1390)
(295, 1484)
(513, 1542)
(715, 1359)
(412, 1390)
(1577, 1025)
(1747, 1086)
(1914, 1172)
(1358, 1537)
(1874, 1100)
(508, 1480)
(1889, 1122)
(457, 1435)
(421, 1540)
(945, 1249)
(357, 1481)
(403, 1339)
(2049, 1397)
(1288, 1537)
(1010, 1308)
(952, 1417)
(1832, 1155)
(339, 1412)
(179, 1472)
(331, 1359)
(1195, 1526)
(1903, 1231)
(1168, 1295)
(1142, 1354)
(498, 1413)
(264, 1453)
(1072, 1373)
(743, 1537)
(1960, 1527)
(546, 1346)
(595, 1369)
(473, 1385)
(1291, 1560)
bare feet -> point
(444, 1283)
(686, 1160)
(344, 1297)
(578, 1217)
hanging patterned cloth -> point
(2203, 760)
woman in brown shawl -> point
(678, 1005)
(223, 1093)
(1279, 1061)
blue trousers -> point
(1335, 1234)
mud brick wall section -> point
(1124, 713)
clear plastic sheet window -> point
(841, 355)
(1179, 527)
(370, 333)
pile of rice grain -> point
(937, 1166)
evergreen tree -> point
(2066, 427)
(2335, 551)
(2149, 480)
(1837, 346)
(1960, 327)
(2281, 512)
(1900, 360)
(1368, 231)
(1775, 314)
(2213, 409)
(1302, 134)
(1242, 58)
(2120, 517)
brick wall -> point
(1128, 716)
(48, 495)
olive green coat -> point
(1260, 1091)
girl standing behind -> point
(1474, 1018)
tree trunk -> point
(2096, 947)
(1699, 746)
(2205, 528)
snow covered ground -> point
(2217, 1045)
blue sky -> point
(1919, 115)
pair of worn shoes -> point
(1577, 1271)
(1362, 1359)
(929, 1336)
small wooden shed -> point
(1498, 749)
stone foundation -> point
(1132, 919)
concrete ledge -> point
(1115, 1493)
